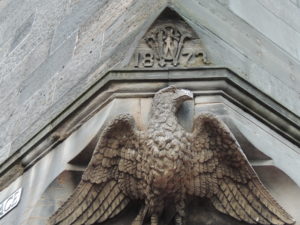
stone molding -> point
(208, 80)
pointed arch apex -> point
(169, 43)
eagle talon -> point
(154, 219)
(179, 220)
(139, 219)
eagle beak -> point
(184, 95)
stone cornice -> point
(144, 83)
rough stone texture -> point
(52, 51)
(286, 36)
(232, 42)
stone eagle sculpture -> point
(164, 164)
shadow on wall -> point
(56, 193)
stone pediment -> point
(169, 43)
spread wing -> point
(109, 177)
(221, 172)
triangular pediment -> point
(169, 43)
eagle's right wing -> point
(108, 180)
(221, 172)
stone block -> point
(12, 16)
(10, 109)
(249, 53)
(296, 3)
(4, 152)
(286, 11)
(47, 16)
(77, 14)
(22, 31)
(76, 77)
(220, 53)
(11, 81)
(4, 48)
(268, 24)
(45, 71)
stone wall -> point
(52, 51)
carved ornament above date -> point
(169, 44)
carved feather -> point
(100, 194)
(231, 183)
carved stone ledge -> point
(134, 83)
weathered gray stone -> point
(102, 33)
(10, 93)
(252, 44)
(30, 63)
(77, 13)
(296, 2)
(221, 53)
(61, 87)
(4, 152)
(47, 15)
(45, 71)
(246, 46)
(285, 11)
(4, 48)
(83, 62)
(22, 31)
(11, 17)
(286, 38)
(21, 116)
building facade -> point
(67, 67)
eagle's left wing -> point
(221, 172)
(110, 180)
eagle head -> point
(172, 96)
